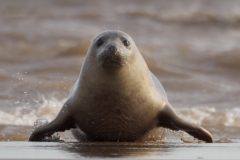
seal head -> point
(111, 49)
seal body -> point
(116, 97)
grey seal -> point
(116, 97)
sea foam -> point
(49, 109)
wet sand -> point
(173, 150)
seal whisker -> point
(93, 59)
(106, 32)
(128, 65)
(93, 64)
(134, 65)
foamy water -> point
(26, 116)
(192, 48)
(50, 108)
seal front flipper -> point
(168, 118)
(61, 123)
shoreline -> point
(77, 150)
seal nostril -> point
(112, 48)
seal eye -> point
(126, 43)
(99, 42)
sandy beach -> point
(107, 150)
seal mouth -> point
(109, 61)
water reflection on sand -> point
(74, 150)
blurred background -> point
(193, 47)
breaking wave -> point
(48, 109)
(26, 116)
(211, 116)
